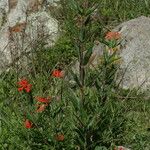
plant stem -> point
(82, 71)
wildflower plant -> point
(97, 117)
(54, 115)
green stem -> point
(82, 77)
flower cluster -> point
(58, 73)
(42, 102)
(113, 36)
(28, 124)
(60, 137)
(40, 107)
(43, 99)
(24, 85)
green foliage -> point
(47, 58)
(112, 12)
(94, 114)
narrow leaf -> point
(87, 56)
(75, 77)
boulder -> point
(134, 71)
(23, 24)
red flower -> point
(28, 124)
(58, 73)
(112, 36)
(120, 148)
(41, 108)
(43, 99)
(24, 85)
(60, 137)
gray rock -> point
(27, 22)
(135, 53)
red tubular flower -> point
(28, 124)
(43, 99)
(28, 88)
(58, 73)
(120, 148)
(113, 36)
(24, 85)
(20, 89)
(60, 137)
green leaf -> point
(106, 57)
(87, 56)
(82, 35)
(91, 10)
(91, 122)
(98, 84)
(75, 6)
(87, 20)
(114, 59)
(75, 77)
(74, 99)
(80, 133)
(112, 43)
(57, 111)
